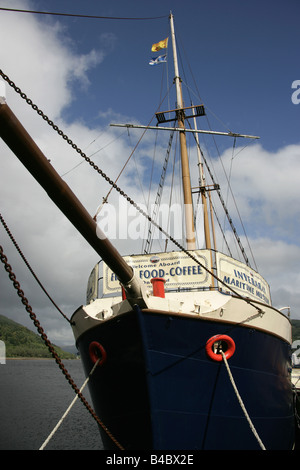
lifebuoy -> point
(217, 356)
(97, 351)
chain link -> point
(50, 347)
(29, 267)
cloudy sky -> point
(86, 73)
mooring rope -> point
(68, 409)
(241, 403)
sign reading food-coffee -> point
(177, 268)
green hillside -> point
(22, 342)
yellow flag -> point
(160, 45)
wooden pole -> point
(186, 179)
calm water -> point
(34, 395)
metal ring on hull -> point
(96, 352)
(230, 344)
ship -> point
(186, 348)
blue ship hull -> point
(159, 390)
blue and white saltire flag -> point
(158, 60)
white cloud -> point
(81, 65)
(41, 60)
(279, 263)
(266, 188)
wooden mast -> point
(204, 204)
(203, 193)
(186, 180)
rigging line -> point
(15, 10)
(229, 178)
(136, 167)
(69, 171)
(233, 157)
(146, 240)
(167, 79)
(251, 141)
(183, 70)
(96, 138)
(106, 145)
(223, 124)
(240, 218)
(227, 196)
(223, 204)
(172, 186)
(124, 166)
(150, 186)
(182, 65)
(94, 153)
(194, 209)
(157, 202)
(190, 90)
(216, 117)
(214, 209)
(226, 211)
(221, 230)
(234, 200)
(156, 138)
(152, 170)
(119, 190)
(149, 190)
(29, 267)
(197, 95)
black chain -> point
(29, 267)
(50, 347)
(117, 188)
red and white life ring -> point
(97, 351)
(217, 356)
